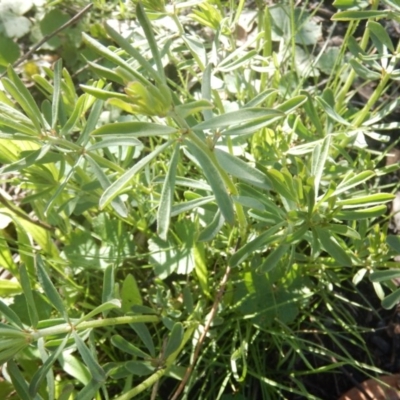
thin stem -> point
(98, 323)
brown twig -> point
(213, 312)
(35, 47)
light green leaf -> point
(109, 305)
(332, 247)
(256, 244)
(319, 157)
(130, 293)
(125, 45)
(214, 178)
(379, 32)
(370, 199)
(352, 180)
(279, 184)
(121, 183)
(237, 117)
(242, 170)
(174, 340)
(45, 368)
(390, 301)
(10, 315)
(193, 107)
(117, 203)
(212, 229)
(151, 40)
(49, 289)
(386, 275)
(18, 381)
(364, 72)
(274, 257)
(74, 367)
(357, 15)
(167, 196)
(137, 129)
(394, 242)
(115, 140)
(143, 332)
(127, 347)
(190, 205)
(56, 93)
(95, 369)
(372, 212)
(30, 301)
(290, 105)
(113, 57)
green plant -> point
(151, 187)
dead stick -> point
(35, 47)
(217, 300)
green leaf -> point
(113, 57)
(151, 40)
(352, 180)
(9, 51)
(379, 33)
(139, 368)
(274, 257)
(175, 340)
(372, 212)
(193, 107)
(56, 93)
(319, 157)
(45, 368)
(18, 381)
(135, 129)
(394, 242)
(121, 183)
(312, 113)
(74, 367)
(256, 244)
(357, 15)
(108, 284)
(143, 332)
(332, 247)
(214, 178)
(370, 199)
(237, 117)
(109, 305)
(91, 123)
(29, 299)
(364, 72)
(386, 275)
(89, 391)
(167, 196)
(279, 184)
(105, 183)
(242, 170)
(290, 105)
(390, 301)
(10, 315)
(49, 288)
(190, 205)
(130, 293)
(127, 347)
(125, 45)
(212, 229)
(331, 112)
(95, 369)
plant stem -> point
(98, 323)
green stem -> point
(98, 323)
(151, 380)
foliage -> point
(186, 159)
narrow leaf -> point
(214, 178)
(49, 288)
(56, 93)
(95, 369)
(333, 248)
(120, 184)
(175, 340)
(127, 347)
(135, 128)
(390, 301)
(242, 170)
(167, 196)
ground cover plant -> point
(207, 215)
